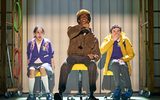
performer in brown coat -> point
(83, 48)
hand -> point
(53, 63)
(115, 37)
(96, 56)
(91, 56)
(85, 30)
(121, 62)
(53, 66)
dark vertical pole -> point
(142, 45)
(150, 45)
(3, 47)
(140, 35)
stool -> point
(79, 68)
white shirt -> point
(38, 47)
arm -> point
(51, 50)
(129, 51)
(74, 31)
(28, 52)
(53, 63)
(106, 44)
(30, 48)
(51, 53)
(95, 55)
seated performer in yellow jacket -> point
(119, 52)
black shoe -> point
(49, 96)
(58, 96)
(92, 98)
(31, 97)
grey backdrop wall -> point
(56, 15)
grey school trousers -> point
(121, 75)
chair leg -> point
(81, 98)
(41, 90)
(80, 82)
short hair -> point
(115, 26)
(36, 28)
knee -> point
(42, 71)
(114, 67)
(31, 73)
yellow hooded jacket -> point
(126, 48)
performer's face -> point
(116, 32)
(39, 34)
(83, 19)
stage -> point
(99, 96)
